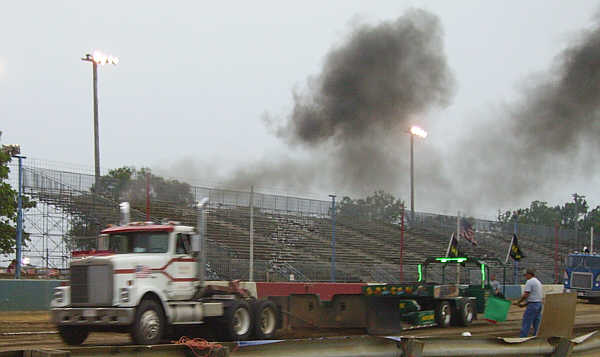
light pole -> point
(97, 58)
(19, 241)
(414, 131)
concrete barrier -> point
(515, 291)
(26, 294)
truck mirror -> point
(196, 246)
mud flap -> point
(384, 316)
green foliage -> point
(96, 209)
(567, 215)
(129, 184)
(8, 204)
(381, 206)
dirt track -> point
(42, 334)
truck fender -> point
(161, 296)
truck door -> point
(183, 269)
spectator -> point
(532, 298)
(495, 286)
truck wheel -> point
(149, 324)
(73, 335)
(465, 312)
(443, 313)
(236, 323)
(266, 316)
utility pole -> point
(332, 237)
(575, 196)
(19, 241)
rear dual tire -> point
(266, 319)
(237, 322)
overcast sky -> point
(196, 81)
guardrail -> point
(586, 345)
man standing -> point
(532, 296)
(495, 286)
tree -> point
(381, 206)
(8, 203)
(129, 184)
(566, 215)
(96, 209)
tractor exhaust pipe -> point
(199, 242)
(124, 208)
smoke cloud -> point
(350, 116)
(351, 121)
(544, 140)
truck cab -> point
(145, 277)
(582, 275)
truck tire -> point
(443, 313)
(73, 335)
(236, 324)
(266, 319)
(149, 324)
(464, 313)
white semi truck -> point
(146, 277)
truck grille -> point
(91, 285)
(581, 280)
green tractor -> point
(448, 292)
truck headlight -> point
(59, 295)
(124, 295)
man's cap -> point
(529, 271)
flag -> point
(466, 231)
(453, 251)
(142, 271)
(514, 251)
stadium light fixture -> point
(413, 131)
(97, 58)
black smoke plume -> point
(545, 141)
(353, 116)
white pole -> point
(592, 240)
(457, 241)
(251, 272)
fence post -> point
(251, 271)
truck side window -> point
(183, 244)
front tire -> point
(266, 318)
(237, 323)
(149, 325)
(73, 335)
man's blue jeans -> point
(532, 316)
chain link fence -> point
(294, 238)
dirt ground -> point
(32, 329)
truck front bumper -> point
(99, 316)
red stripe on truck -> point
(161, 270)
(325, 291)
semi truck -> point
(147, 279)
(582, 275)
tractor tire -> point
(464, 312)
(443, 313)
(149, 324)
(237, 323)
(266, 319)
(73, 335)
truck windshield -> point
(588, 262)
(139, 242)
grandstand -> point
(292, 236)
